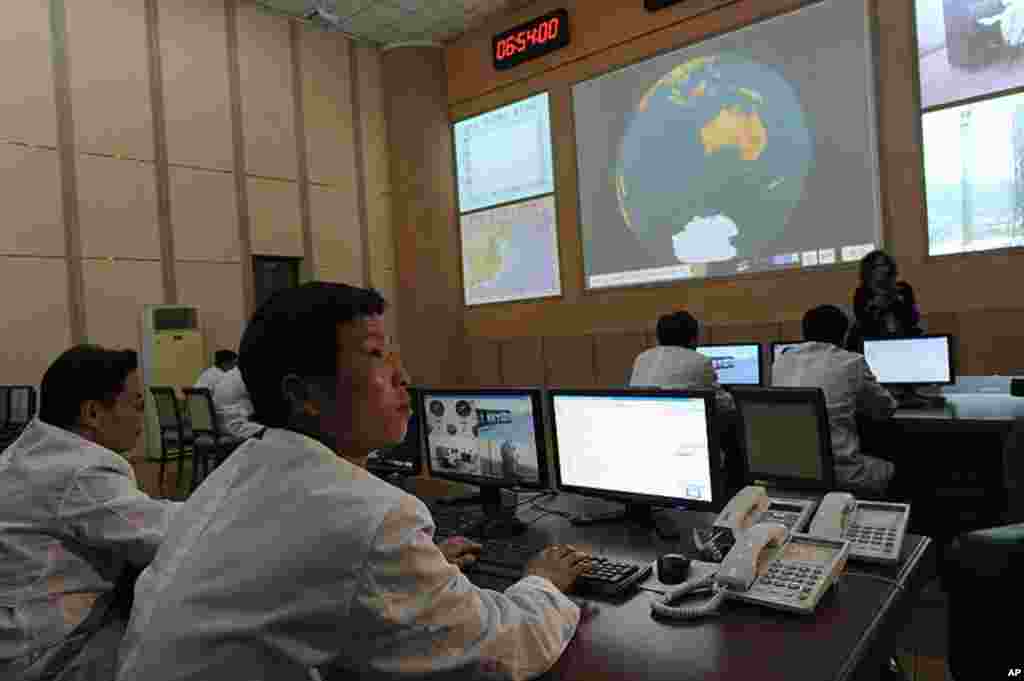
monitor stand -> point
(639, 515)
(498, 522)
(909, 397)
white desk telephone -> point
(769, 566)
(875, 529)
(750, 506)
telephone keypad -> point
(790, 580)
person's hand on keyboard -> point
(561, 564)
(460, 551)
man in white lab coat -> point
(74, 526)
(850, 387)
(291, 561)
(223, 362)
(675, 362)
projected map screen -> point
(755, 150)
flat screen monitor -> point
(405, 458)
(491, 437)
(786, 437)
(735, 364)
(641, 447)
(779, 347)
(921, 360)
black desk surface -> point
(620, 640)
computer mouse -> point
(673, 568)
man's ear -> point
(89, 414)
(300, 395)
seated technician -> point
(223, 362)
(849, 387)
(74, 526)
(291, 561)
(675, 362)
(234, 407)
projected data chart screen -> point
(507, 221)
(755, 150)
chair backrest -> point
(785, 437)
(199, 403)
(21, 404)
(166, 407)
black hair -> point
(80, 374)
(872, 260)
(295, 332)
(825, 324)
(223, 356)
(678, 329)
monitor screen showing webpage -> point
(651, 446)
(910, 361)
(735, 364)
(480, 435)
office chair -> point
(981, 574)
(208, 438)
(175, 439)
(784, 436)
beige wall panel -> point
(327, 100)
(268, 106)
(522, 361)
(744, 333)
(110, 86)
(117, 208)
(204, 215)
(193, 48)
(115, 294)
(26, 98)
(483, 363)
(216, 289)
(275, 217)
(569, 361)
(791, 330)
(30, 193)
(35, 326)
(615, 354)
(337, 238)
(941, 322)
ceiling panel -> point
(389, 21)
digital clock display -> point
(532, 39)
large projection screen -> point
(755, 150)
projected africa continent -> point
(713, 161)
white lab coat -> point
(667, 366)
(71, 518)
(233, 406)
(210, 377)
(849, 387)
(289, 558)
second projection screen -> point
(755, 150)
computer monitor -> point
(779, 347)
(489, 437)
(921, 360)
(642, 447)
(785, 437)
(406, 458)
(735, 363)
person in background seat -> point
(884, 307)
(223, 362)
(234, 407)
(292, 561)
(74, 526)
(849, 387)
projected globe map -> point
(713, 160)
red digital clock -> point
(532, 39)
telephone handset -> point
(767, 566)
(744, 509)
(750, 506)
(875, 529)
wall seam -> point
(68, 171)
(163, 176)
(362, 209)
(310, 266)
(238, 142)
